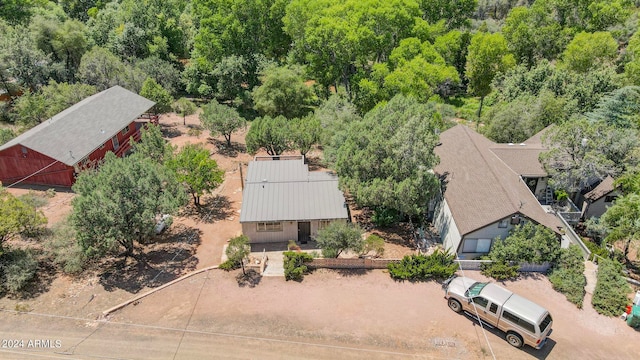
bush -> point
(65, 249)
(567, 276)
(34, 199)
(229, 265)
(340, 236)
(374, 243)
(384, 217)
(439, 265)
(294, 265)
(17, 268)
(500, 270)
(610, 295)
(597, 249)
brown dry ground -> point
(329, 314)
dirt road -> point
(328, 315)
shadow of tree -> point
(352, 272)
(226, 150)
(315, 163)
(251, 279)
(154, 264)
(215, 208)
(170, 131)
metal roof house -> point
(54, 151)
(489, 188)
(282, 200)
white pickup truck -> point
(523, 321)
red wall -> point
(14, 165)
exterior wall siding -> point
(15, 165)
(289, 231)
(598, 207)
(446, 225)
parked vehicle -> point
(523, 321)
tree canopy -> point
(118, 205)
(196, 170)
(221, 119)
(386, 158)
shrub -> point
(374, 243)
(500, 270)
(229, 265)
(33, 199)
(294, 265)
(610, 295)
(597, 249)
(18, 268)
(238, 250)
(439, 265)
(384, 217)
(338, 237)
(567, 276)
(64, 248)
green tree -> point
(238, 249)
(117, 205)
(17, 11)
(184, 107)
(162, 71)
(17, 217)
(528, 243)
(488, 56)
(456, 14)
(30, 109)
(221, 119)
(102, 69)
(6, 135)
(619, 108)
(271, 134)
(580, 151)
(340, 236)
(621, 221)
(610, 296)
(305, 132)
(196, 170)
(567, 275)
(283, 92)
(20, 58)
(590, 50)
(155, 92)
(152, 145)
(385, 160)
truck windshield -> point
(474, 290)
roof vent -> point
(522, 144)
(510, 144)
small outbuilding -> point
(53, 152)
(282, 200)
(597, 201)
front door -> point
(304, 232)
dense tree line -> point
(342, 73)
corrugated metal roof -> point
(481, 189)
(296, 195)
(77, 131)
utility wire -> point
(28, 176)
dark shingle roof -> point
(282, 190)
(480, 187)
(77, 131)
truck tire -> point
(455, 305)
(514, 339)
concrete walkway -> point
(590, 272)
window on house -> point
(476, 246)
(610, 198)
(115, 142)
(323, 224)
(125, 130)
(24, 151)
(503, 223)
(269, 226)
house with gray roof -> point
(54, 151)
(488, 189)
(282, 200)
